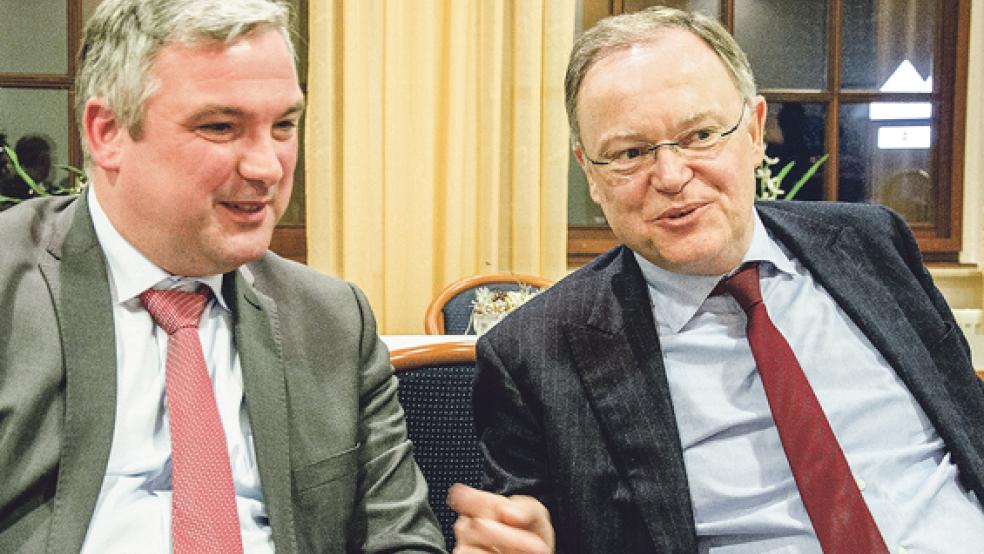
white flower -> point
(500, 301)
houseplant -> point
(770, 187)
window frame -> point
(58, 81)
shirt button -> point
(861, 485)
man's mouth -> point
(248, 207)
(678, 212)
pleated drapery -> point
(436, 145)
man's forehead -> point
(236, 111)
(242, 46)
(655, 79)
(257, 55)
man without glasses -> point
(167, 383)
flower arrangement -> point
(490, 306)
(770, 187)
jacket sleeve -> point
(905, 244)
(392, 512)
(510, 436)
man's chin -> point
(697, 260)
(236, 253)
(247, 255)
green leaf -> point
(785, 171)
(806, 176)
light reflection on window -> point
(905, 78)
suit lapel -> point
(260, 353)
(617, 356)
(837, 260)
(75, 272)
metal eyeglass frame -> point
(676, 146)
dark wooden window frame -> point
(940, 240)
(58, 81)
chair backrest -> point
(450, 312)
(435, 389)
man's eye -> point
(284, 129)
(700, 136)
(216, 128)
(630, 153)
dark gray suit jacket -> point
(334, 461)
(573, 406)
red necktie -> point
(203, 504)
(833, 501)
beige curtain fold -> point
(436, 145)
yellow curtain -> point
(436, 145)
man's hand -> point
(491, 523)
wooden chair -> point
(450, 312)
(435, 389)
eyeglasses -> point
(698, 144)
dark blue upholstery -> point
(457, 311)
(438, 406)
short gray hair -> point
(123, 37)
(625, 31)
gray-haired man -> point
(274, 424)
(643, 412)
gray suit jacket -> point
(335, 465)
(573, 407)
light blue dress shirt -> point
(743, 493)
(133, 511)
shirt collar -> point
(130, 272)
(676, 297)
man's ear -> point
(579, 155)
(756, 127)
(104, 133)
(593, 189)
(582, 161)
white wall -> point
(964, 286)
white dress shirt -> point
(742, 489)
(133, 512)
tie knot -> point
(175, 309)
(743, 286)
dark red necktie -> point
(827, 487)
(203, 503)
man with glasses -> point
(737, 376)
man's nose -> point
(670, 171)
(260, 164)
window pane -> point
(888, 160)
(880, 37)
(785, 40)
(710, 8)
(32, 115)
(794, 133)
(33, 35)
